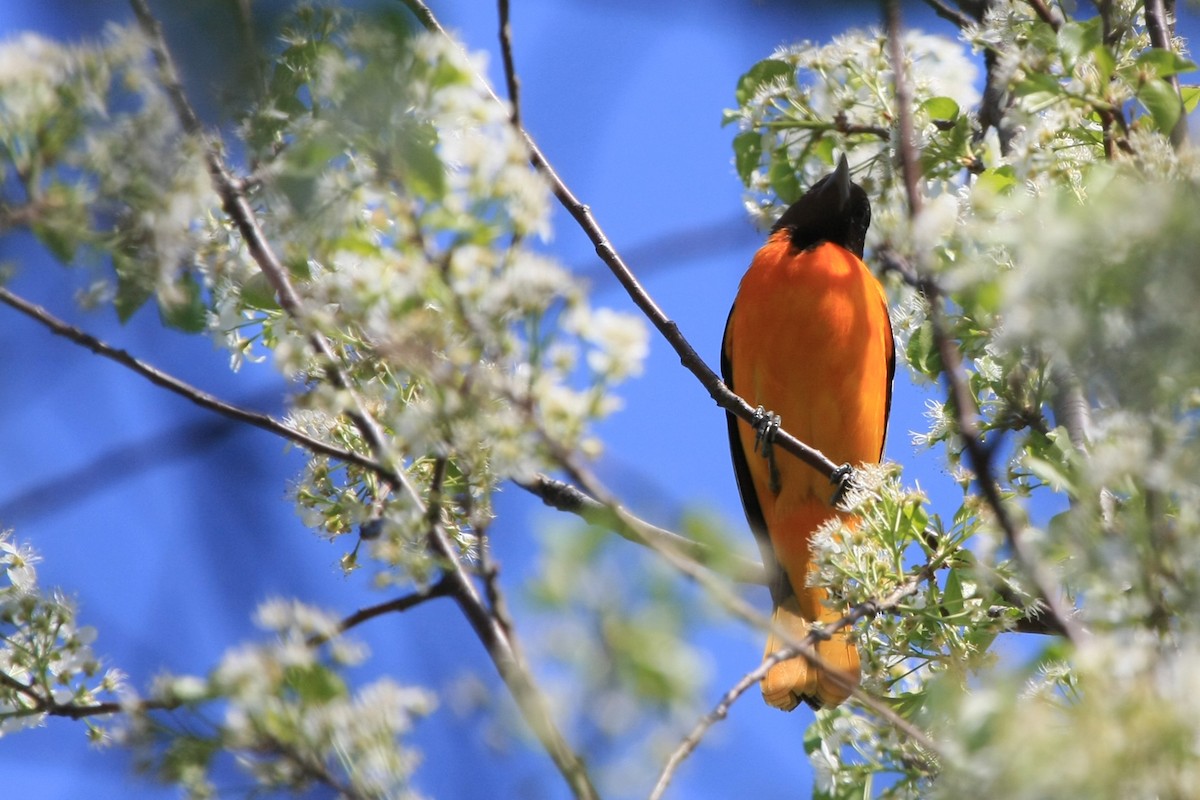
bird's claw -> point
(842, 478)
(766, 425)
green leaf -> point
(302, 166)
(907, 704)
(747, 153)
(424, 170)
(1077, 39)
(190, 314)
(1190, 96)
(184, 754)
(916, 520)
(61, 243)
(941, 108)
(999, 180)
(1165, 63)
(764, 71)
(1106, 63)
(981, 639)
(1161, 100)
(257, 292)
(952, 595)
(922, 353)
(133, 287)
(1049, 456)
(783, 178)
(822, 148)
(315, 683)
(1038, 83)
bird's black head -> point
(834, 209)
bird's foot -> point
(766, 426)
(842, 479)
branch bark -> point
(187, 391)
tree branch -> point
(510, 69)
(747, 613)
(396, 606)
(1045, 14)
(967, 419)
(954, 15)
(187, 391)
(910, 165)
(962, 399)
(554, 493)
(565, 497)
(237, 208)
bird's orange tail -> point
(794, 680)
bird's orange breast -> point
(809, 338)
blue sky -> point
(170, 526)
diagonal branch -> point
(1045, 14)
(667, 327)
(747, 613)
(172, 384)
(950, 13)
(237, 208)
(963, 400)
(554, 493)
(565, 497)
(396, 606)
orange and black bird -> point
(809, 340)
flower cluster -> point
(46, 657)
(806, 100)
(290, 720)
(409, 214)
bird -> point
(809, 343)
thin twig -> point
(565, 497)
(396, 606)
(510, 69)
(947, 12)
(870, 608)
(747, 613)
(718, 713)
(169, 382)
(910, 165)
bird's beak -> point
(841, 182)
